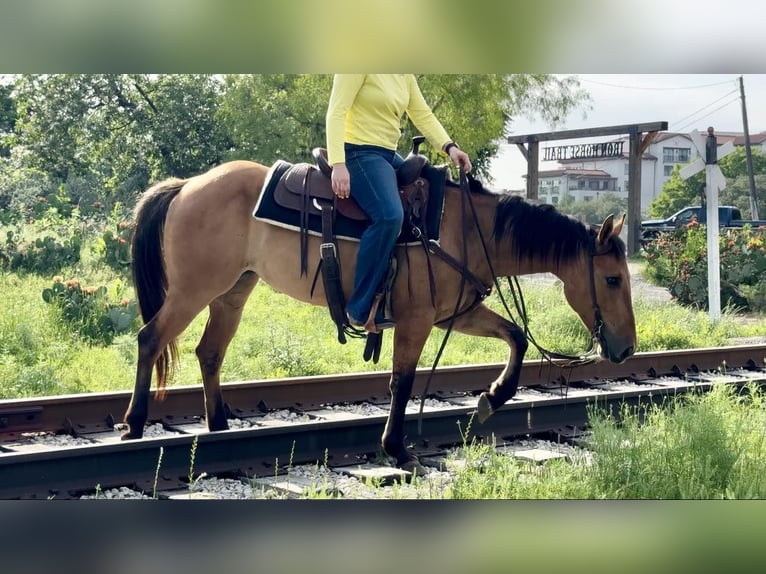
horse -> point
(196, 244)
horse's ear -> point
(609, 229)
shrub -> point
(90, 312)
(116, 246)
(678, 260)
(45, 254)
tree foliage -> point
(596, 210)
(117, 132)
(106, 137)
(282, 116)
(678, 193)
(7, 119)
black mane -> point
(539, 230)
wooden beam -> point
(590, 132)
(523, 150)
(533, 181)
(646, 142)
(634, 194)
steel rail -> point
(94, 411)
(259, 451)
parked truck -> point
(728, 216)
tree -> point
(109, 135)
(678, 193)
(7, 119)
(595, 210)
(275, 116)
(280, 116)
(737, 190)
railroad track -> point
(308, 430)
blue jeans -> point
(373, 186)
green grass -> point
(705, 446)
(280, 337)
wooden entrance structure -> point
(641, 135)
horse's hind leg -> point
(225, 315)
(161, 331)
(484, 322)
(149, 349)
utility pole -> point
(748, 153)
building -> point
(581, 184)
(586, 178)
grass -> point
(280, 337)
(704, 446)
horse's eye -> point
(613, 282)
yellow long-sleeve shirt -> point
(366, 109)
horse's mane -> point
(539, 230)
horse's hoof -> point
(485, 409)
(414, 467)
(218, 425)
(130, 435)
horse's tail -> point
(149, 279)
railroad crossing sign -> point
(707, 148)
(719, 181)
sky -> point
(686, 101)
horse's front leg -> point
(409, 340)
(484, 322)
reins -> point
(483, 291)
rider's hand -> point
(460, 158)
(341, 181)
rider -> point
(363, 127)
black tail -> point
(149, 279)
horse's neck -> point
(503, 257)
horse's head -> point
(599, 291)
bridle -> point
(483, 290)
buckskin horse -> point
(196, 244)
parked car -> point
(728, 216)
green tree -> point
(678, 193)
(275, 116)
(7, 119)
(595, 210)
(280, 116)
(107, 136)
(737, 190)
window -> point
(581, 184)
(593, 184)
(676, 154)
(667, 170)
(555, 199)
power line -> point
(688, 124)
(654, 88)
(704, 107)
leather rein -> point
(482, 290)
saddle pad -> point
(268, 210)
